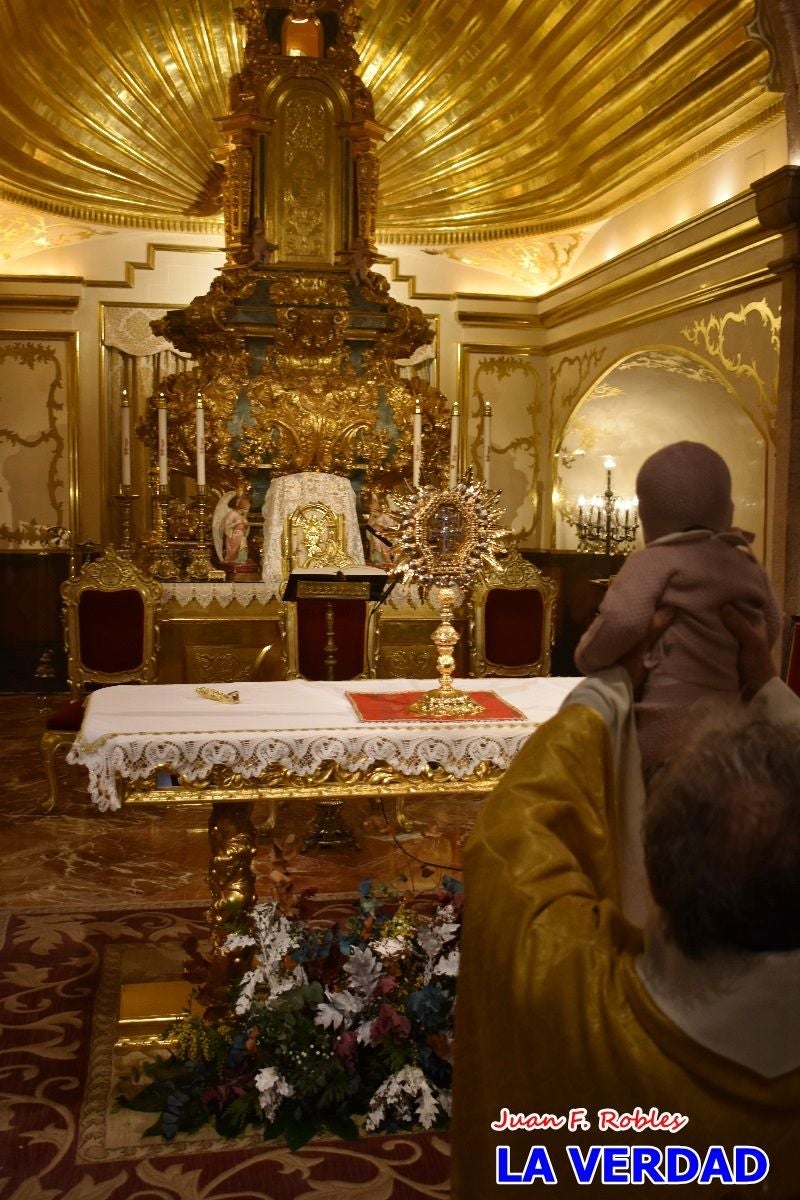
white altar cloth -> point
(131, 731)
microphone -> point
(371, 529)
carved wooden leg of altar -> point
(232, 840)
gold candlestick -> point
(200, 566)
(162, 564)
(125, 499)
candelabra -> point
(607, 523)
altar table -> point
(289, 740)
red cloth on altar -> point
(396, 706)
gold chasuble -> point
(554, 1027)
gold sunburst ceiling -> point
(506, 118)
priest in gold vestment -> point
(567, 1009)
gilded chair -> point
(511, 625)
(110, 614)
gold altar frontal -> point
(233, 835)
(224, 633)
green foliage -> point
(335, 1026)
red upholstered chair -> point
(511, 623)
(110, 632)
(791, 657)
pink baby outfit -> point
(695, 563)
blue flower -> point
(430, 1006)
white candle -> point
(417, 445)
(125, 437)
(487, 441)
(201, 442)
(455, 435)
(163, 470)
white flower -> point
(272, 1088)
(250, 980)
(388, 947)
(448, 963)
(406, 1088)
(237, 941)
(363, 970)
(275, 935)
(363, 1032)
(339, 1007)
(276, 939)
(432, 939)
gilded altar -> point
(289, 742)
(295, 346)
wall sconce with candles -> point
(607, 523)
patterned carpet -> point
(84, 896)
(59, 1135)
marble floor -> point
(76, 856)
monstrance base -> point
(446, 702)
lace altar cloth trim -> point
(133, 731)
(247, 592)
(396, 706)
(243, 593)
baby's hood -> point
(683, 486)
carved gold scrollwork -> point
(32, 530)
(722, 337)
(527, 447)
(221, 664)
(568, 382)
(410, 662)
(297, 341)
(308, 289)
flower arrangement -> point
(332, 1028)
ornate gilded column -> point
(232, 839)
(778, 206)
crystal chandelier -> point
(608, 523)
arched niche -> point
(644, 402)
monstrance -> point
(447, 538)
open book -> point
(301, 580)
(359, 572)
